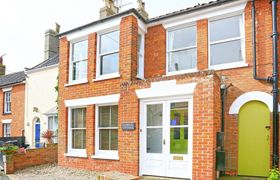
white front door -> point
(165, 132)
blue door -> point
(37, 135)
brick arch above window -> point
(251, 96)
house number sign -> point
(128, 126)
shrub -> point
(48, 135)
(274, 174)
(9, 149)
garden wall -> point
(33, 157)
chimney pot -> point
(108, 10)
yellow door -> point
(253, 139)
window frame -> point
(5, 128)
(98, 76)
(7, 103)
(78, 81)
(70, 150)
(141, 61)
(242, 38)
(104, 154)
(183, 26)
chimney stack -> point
(108, 10)
(51, 42)
(141, 9)
(2, 66)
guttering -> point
(275, 156)
(130, 11)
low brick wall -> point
(34, 157)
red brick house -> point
(152, 96)
(12, 99)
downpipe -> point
(275, 79)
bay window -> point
(226, 38)
(108, 55)
(181, 50)
(78, 63)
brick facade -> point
(207, 102)
(17, 110)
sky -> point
(23, 23)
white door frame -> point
(142, 118)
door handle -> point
(267, 127)
(164, 142)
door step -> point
(157, 178)
(241, 178)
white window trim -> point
(79, 81)
(141, 75)
(73, 152)
(7, 89)
(102, 154)
(6, 103)
(100, 77)
(6, 121)
(53, 121)
(241, 38)
(173, 28)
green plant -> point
(9, 149)
(274, 174)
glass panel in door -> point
(179, 128)
(154, 128)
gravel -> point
(54, 172)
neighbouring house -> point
(40, 94)
(171, 96)
(12, 104)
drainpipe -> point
(254, 45)
(275, 84)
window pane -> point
(55, 124)
(104, 135)
(182, 38)
(139, 43)
(179, 140)
(110, 42)
(109, 64)
(104, 116)
(182, 60)
(80, 51)
(114, 116)
(154, 140)
(154, 115)
(50, 122)
(227, 52)
(79, 70)
(79, 118)
(114, 139)
(78, 138)
(179, 113)
(225, 28)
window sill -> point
(105, 156)
(229, 66)
(76, 83)
(106, 77)
(7, 113)
(80, 155)
(181, 72)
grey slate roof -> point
(12, 78)
(49, 62)
(151, 20)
